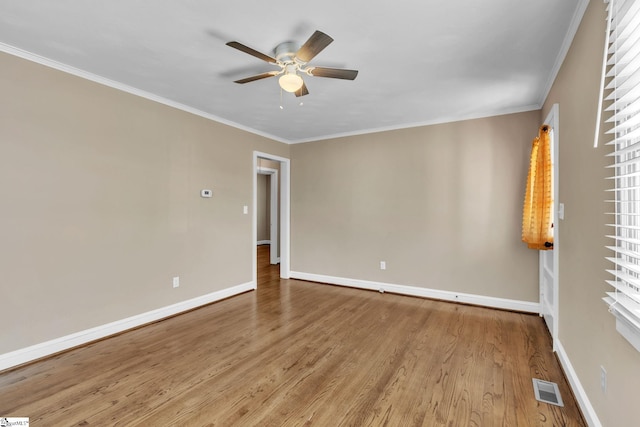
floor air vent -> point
(547, 392)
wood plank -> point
(295, 353)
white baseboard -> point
(37, 351)
(263, 242)
(507, 304)
(581, 395)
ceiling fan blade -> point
(316, 43)
(333, 73)
(302, 91)
(257, 77)
(250, 51)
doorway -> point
(267, 193)
(278, 170)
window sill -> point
(625, 324)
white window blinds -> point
(624, 105)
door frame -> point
(273, 211)
(553, 120)
(285, 214)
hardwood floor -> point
(302, 354)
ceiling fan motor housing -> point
(286, 52)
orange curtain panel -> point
(537, 219)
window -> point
(624, 99)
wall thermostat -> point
(206, 193)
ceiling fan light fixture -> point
(290, 82)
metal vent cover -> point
(547, 392)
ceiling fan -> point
(293, 62)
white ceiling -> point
(419, 62)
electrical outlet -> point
(383, 265)
(176, 282)
(603, 379)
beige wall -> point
(263, 208)
(587, 330)
(100, 204)
(442, 205)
